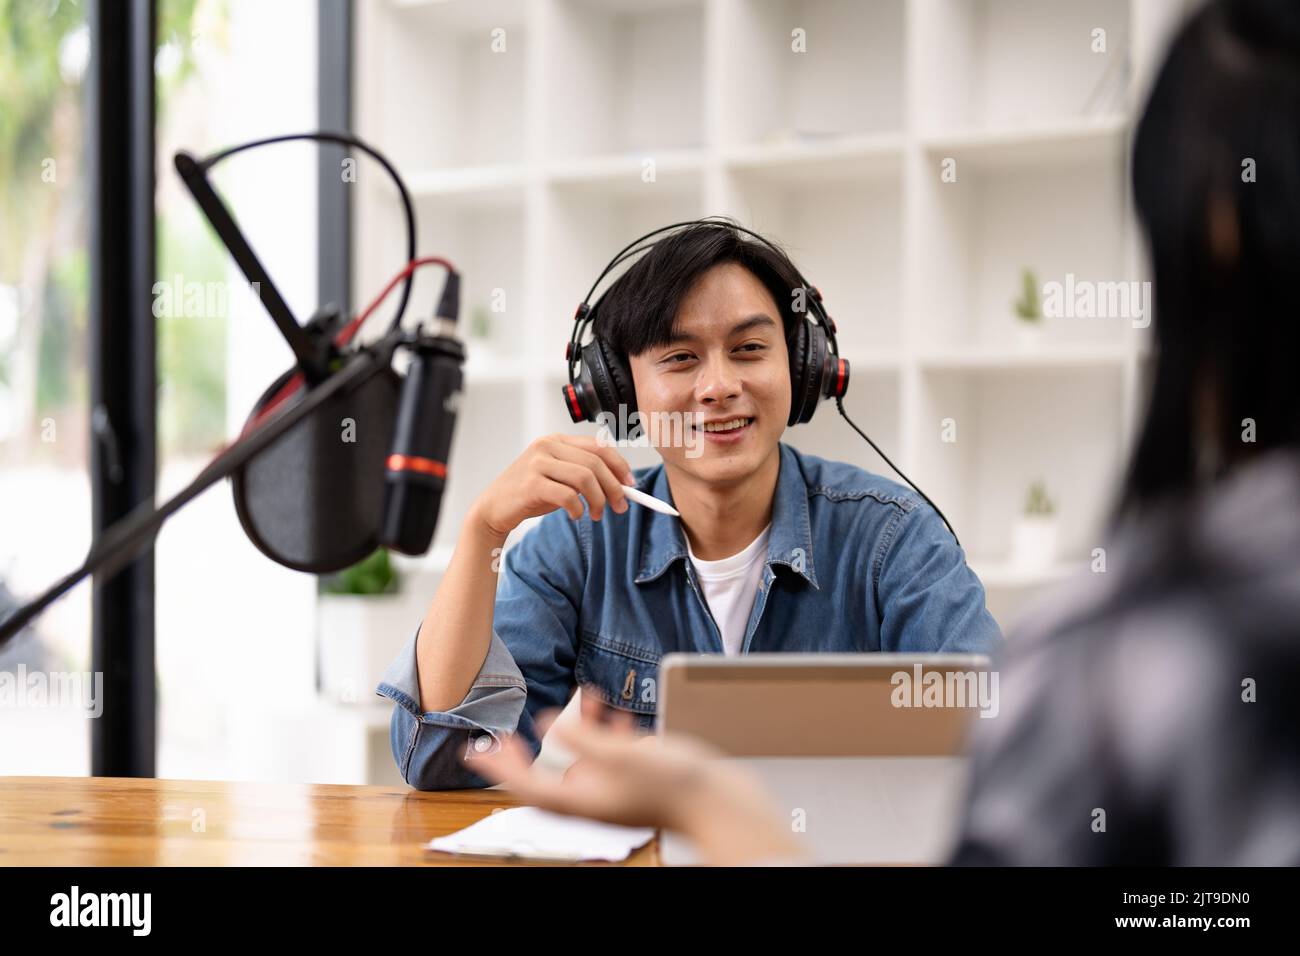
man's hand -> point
(552, 473)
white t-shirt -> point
(730, 586)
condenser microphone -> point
(416, 467)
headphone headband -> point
(584, 315)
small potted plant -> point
(362, 621)
(1029, 310)
(480, 324)
(1034, 537)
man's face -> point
(727, 361)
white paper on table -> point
(533, 833)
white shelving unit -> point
(530, 166)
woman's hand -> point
(551, 473)
(674, 783)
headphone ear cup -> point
(812, 373)
(581, 399)
(593, 367)
(610, 383)
(622, 390)
(798, 372)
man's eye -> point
(755, 346)
(686, 356)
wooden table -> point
(124, 821)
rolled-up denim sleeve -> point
(529, 666)
(929, 598)
(428, 746)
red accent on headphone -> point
(425, 466)
(839, 377)
(573, 401)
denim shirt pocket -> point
(623, 675)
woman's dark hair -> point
(638, 311)
(1216, 182)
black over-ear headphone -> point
(600, 382)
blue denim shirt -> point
(855, 562)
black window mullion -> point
(123, 372)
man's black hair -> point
(638, 311)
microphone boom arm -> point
(130, 535)
(312, 352)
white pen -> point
(650, 501)
(636, 494)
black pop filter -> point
(327, 516)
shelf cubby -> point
(468, 80)
(485, 239)
(993, 64)
(627, 77)
(809, 71)
(994, 221)
(1013, 427)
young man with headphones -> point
(774, 550)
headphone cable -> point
(839, 403)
